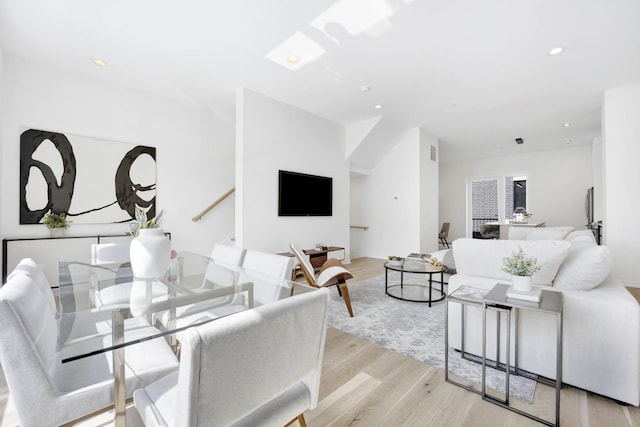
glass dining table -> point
(109, 300)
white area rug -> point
(413, 329)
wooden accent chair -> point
(331, 273)
(444, 233)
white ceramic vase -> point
(521, 283)
(150, 253)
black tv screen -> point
(300, 194)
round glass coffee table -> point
(416, 292)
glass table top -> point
(93, 297)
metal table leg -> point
(118, 369)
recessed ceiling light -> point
(378, 107)
(293, 59)
(568, 141)
(566, 125)
(556, 51)
(99, 62)
(365, 88)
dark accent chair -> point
(444, 233)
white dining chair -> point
(269, 274)
(220, 382)
(46, 391)
(113, 267)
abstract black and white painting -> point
(94, 181)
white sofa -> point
(601, 319)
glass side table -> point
(551, 303)
(465, 296)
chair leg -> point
(300, 419)
(342, 286)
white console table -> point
(47, 251)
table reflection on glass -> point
(108, 301)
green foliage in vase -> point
(518, 264)
(56, 220)
(143, 222)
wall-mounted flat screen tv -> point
(300, 194)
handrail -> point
(364, 227)
(213, 205)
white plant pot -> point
(57, 232)
(521, 283)
(150, 253)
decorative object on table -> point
(396, 261)
(435, 263)
(533, 295)
(142, 221)
(57, 223)
(428, 258)
(521, 268)
(520, 216)
(150, 250)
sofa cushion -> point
(585, 267)
(547, 234)
(523, 233)
(581, 235)
(477, 257)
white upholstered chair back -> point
(44, 390)
(110, 253)
(270, 274)
(220, 383)
(228, 255)
(225, 261)
(29, 267)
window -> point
(494, 199)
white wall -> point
(2, 102)
(397, 201)
(597, 161)
(195, 157)
(429, 178)
(273, 136)
(557, 183)
(621, 140)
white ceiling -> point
(476, 74)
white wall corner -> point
(239, 174)
(429, 191)
(621, 142)
(356, 132)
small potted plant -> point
(521, 268)
(143, 222)
(57, 223)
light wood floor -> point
(367, 385)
